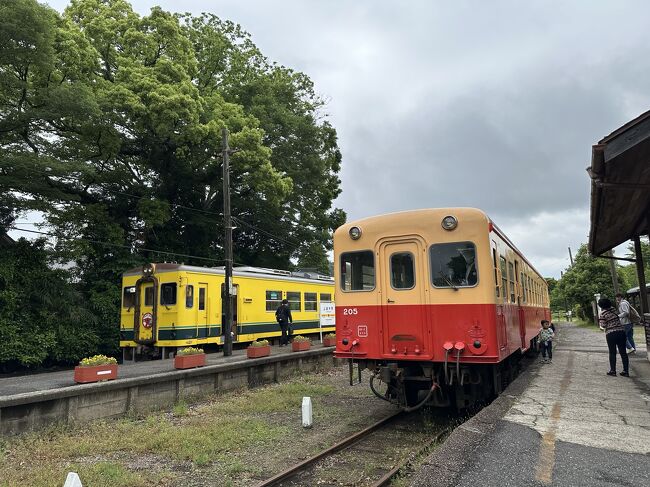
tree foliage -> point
(110, 124)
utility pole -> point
(612, 270)
(227, 292)
(570, 257)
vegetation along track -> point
(371, 457)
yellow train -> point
(167, 306)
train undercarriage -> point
(412, 385)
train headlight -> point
(355, 233)
(449, 222)
(148, 269)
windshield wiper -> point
(448, 281)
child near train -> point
(546, 335)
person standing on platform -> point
(626, 320)
(546, 335)
(284, 318)
(615, 335)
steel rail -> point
(276, 479)
(385, 480)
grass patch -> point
(585, 324)
(234, 439)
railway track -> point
(372, 457)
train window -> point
(201, 298)
(311, 303)
(511, 275)
(168, 293)
(189, 296)
(148, 296)
(128, 298)
(294, 300)
(453, 264)
(325, 298)
(523, 286)
(504, 277)
(358, 271)
(402, 271)
(496, 276)
(273, 300)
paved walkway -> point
(569, 424)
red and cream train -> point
(437, 303)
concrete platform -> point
(63, 378)
(561, 424)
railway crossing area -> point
(561, 424)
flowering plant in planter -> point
(95, 369)
(189, 357)
(190, 351)
(259, 348)
(300, 343)
(329, 340)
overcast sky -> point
(492, 104)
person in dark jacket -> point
(615, 335)
(283, 316)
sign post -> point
(327, 316)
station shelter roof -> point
(620, 186)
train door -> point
(145, 314)
(202, 312)
(233, 304)
(520, 309)
(502, 299)
(403, 281)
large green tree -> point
(110, 124)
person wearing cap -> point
(283, 316)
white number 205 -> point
(350, 311)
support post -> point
(227, 324)
(643, 293)
(612, 270)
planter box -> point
(256, 352)
(189, 361)
(329, 342)
(96, 373)
(300, 346)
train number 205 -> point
(350, 311)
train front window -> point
(168, 294)
(148, 296)
(402, 272)
(128, 301)
(453, 265)
(358, 271)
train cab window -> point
(358, 271)
(294, 300)
(511, 274)
(273, 300)
(402, 271)
(189, 296)
(325, 298)
(168, 293)
(311, 303)
(453, 264)
(148, 296)
(504, 277)
(128, 299)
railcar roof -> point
(407, 217)
(258, 273)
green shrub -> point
(190, 351)
(300, 338)
(330, 335)
(259, 343)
